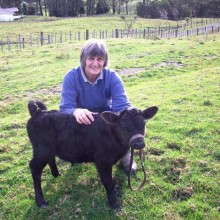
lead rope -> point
(142, 158)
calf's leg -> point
(53, 167)
(37, 167)
(105, 173)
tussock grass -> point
(180, 76)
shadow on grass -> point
(77, 193)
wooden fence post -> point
(55, 38)
(48, 39)
(8, 42)
(2, 46)
(41, 38)
(87, 34)
(31, 43)
(51, 34)
(61, 37)
(19, 41)
(23, 42)
(78, 35)
(116, 33)
(144, 34)
(176, 32)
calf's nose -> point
(138, 144)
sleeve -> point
(68, 102)
(119, 97)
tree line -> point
(166, 9)
(178, 9)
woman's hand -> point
(83, 116)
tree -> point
(102, 7)
(90, 4)
(114, 6)
(65, 8)
(10, 3)
(129, 22)
(39, 3)
(126, 4)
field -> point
(180, 76)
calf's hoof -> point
(43, 205)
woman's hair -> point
(94, 48)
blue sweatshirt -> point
(106, 94)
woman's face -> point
(94, 66)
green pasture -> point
(180, 76)
(36, 24)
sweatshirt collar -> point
(100, 76)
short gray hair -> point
(93, 48)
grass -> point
(180, 76)
(36, 24)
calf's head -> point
(130, 124)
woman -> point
(92, 88)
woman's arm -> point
(68, 95)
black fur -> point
(103, 142)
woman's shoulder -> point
(111, 73)
(72, 73)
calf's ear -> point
(109, 117)
(150, 112)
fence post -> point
(87, 34)
(19, 41)
(70, 35)
(55, 38)
(144, 33)
(48, 39)
(116, 33)
(9, 45)
(41, 38)
(176, 33)
(51, 34)
(61, 37)
(23, 42)
(78, 36)
(2, 46)
(31, 43)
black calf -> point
(103, 142)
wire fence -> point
(40, 39)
